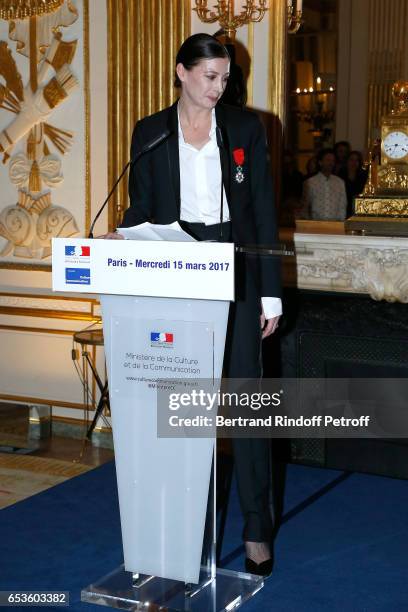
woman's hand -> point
(111, 236)
(268, 326)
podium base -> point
(228, 591)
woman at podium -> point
(209, 171)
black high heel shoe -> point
(259, 569)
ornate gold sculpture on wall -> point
(29, 225)
(383, 207)
(21, 9)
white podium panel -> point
(174, 329)
(163, 483)
(194, 270)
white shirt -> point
(324, 198)
(200, 180)
(200, 191)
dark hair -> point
(341, 143)
(235, 93)
(323, 152)
(196, 48)
(359, 157)
(312, 161)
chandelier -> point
(21, 9)
(223, 11)
(294, 15)
(251, 11)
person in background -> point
(324, 195)
(355, 177)
(341, 151)
(312, 167)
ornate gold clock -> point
(393, 172)
(383, 207)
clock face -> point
(396, 145)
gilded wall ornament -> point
(388, 207)
(29, 225)
(21, 9)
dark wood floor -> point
(69, 449)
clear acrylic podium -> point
(166, 485)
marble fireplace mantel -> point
(373, 265)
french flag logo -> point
(77, 251)
(161, 339)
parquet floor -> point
(49, 462)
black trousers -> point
(242, 360)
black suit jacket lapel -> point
(173, 159)
(225, 152)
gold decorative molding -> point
(48, 314)
(250, 85)
(48, 303)
(387, 52)
(8, 265)
(44, 296)
(21, 9)
(277, 60)
(87, 100)
(143, 39)
(21, 399)
(387, 207)
(54, 93)
(39, 330)
(277, 85)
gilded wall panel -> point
(143, 38)
(44, 133)
(277, 69)
(387, 57)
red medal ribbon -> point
(239, 156)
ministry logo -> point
(163, 339)
(77, 254)
(77, 276)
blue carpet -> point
(342, 545)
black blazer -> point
(154, 182)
